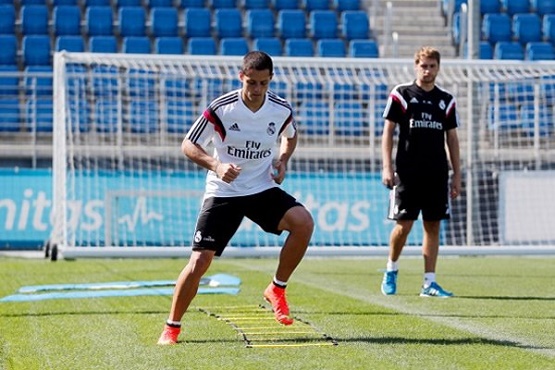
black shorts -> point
(428, 194)
(220, 217)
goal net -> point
(122, 186)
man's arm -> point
(196, 153)
(454, 157)
(387, 156)
(286, 149)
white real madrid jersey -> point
(245, 138)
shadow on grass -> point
(83, 313)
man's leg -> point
(397, 240)
(430, 251)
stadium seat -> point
(543, 7)
(485, 51)
(103, 44)
(132, 21)
(456, 28)
(105, 81)
(99, 21)
(548, 28)
(323, 24)
(107, 115)
(141, 83)
(342, 5)
(66, 20)
(233, 46)
(38, 81)
(38, 115)
(169, 45)
(223, 4)
(70, 43)
(36, 50)
(34, 20)
(504, 117)
(9, 115)
(490, 6)
(539, 51)
(508, 50)
(526, 28)
(65, 2)
(334, 48)
(228, 23)
(136, 45)
(270, 45)
(544, 120)
(456, 6)
(260, 23)
(186, 4)
(125, 3)
(310, 5)
(201, 46)
(9, 81)
(355, 24)
(363, 49)
(349, 119)
(8, 45)
(31, 2)
(513, 7)
(257, 4)
(7, 19)
(285, 5)
(163, 22)
(314, 118)
(496, 27)
(299, 47)
(180, 115)
(152, 4)
(89, 3)
(198, 22)
(291, 24)
(143, 116)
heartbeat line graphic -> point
(140, 214)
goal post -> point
(122, 187)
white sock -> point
(429, 278)
(392, 266)
(175, 324)
(279, 283)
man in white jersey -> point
(244, 174)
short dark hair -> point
(257, 60)
(427, 52)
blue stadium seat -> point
(342, 5)
(141, 83)
(349, 119)
(89, 3)
(32, 2)
(363, 49)
(260, 23)
(107, 115)
(198, 22)
(143, 116)
(505, 117)
(323, 24)
(334, 48)
(201, 46)
(168, 45)
(8, 45)
(9, 81)
(64, 2)
(257, 4)
(7, 19)
(186, 4)
(136, 45)
(66, 20)
(548, 28)
(34, 20)
(527, 28)
(456, 28)
(508, 50)
(124, 3)
(544, 120)
(310, 5)
(105, 81)
(285, 5)
(70, 43)
(496, 27)
(543, 7)
(356, 24)
(180, 115)
(223, 4)
(36, 50)
(456, 6)
(160, 3)
(9, 115)
(270, 45)
(539, 51)
(99, 21)
(38, 115)
(299, 47)
(490, 6)
(314, 118)
(38, 81)
(233, 46)
(512, 7)
(164, 22)
(103, 44)
(228, 23)
(132, 21)
(485, 50)
(291, 23)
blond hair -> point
(427, 52)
